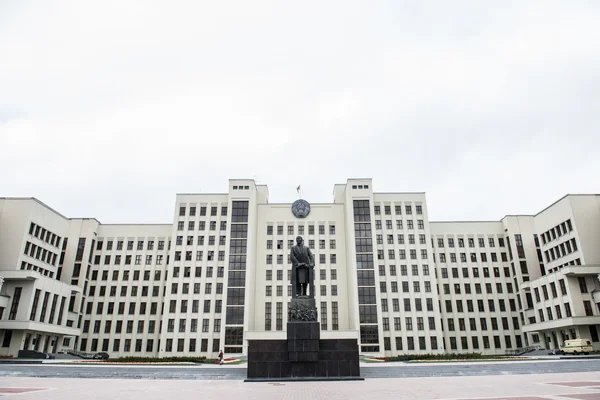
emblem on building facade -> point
(301, 208)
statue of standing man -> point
(303, 270)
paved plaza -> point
(556, 386)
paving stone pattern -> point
(497, 387)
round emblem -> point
(300, 208)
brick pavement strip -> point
(513, 387)
(19, 390)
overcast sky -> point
(109, 108)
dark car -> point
(101, 356)
(34, 354)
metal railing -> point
(80, 354)
(523, 350)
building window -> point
(587, 305)
(279, 316)
(582, 285)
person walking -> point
(220, 357)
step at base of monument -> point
(309, 379)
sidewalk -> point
(417, 364)
(571, 386)
(123, 365)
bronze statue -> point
(303, 270)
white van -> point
(577, 346)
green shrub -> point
(202, 360)
(445, 356)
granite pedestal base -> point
(303, 341)
(336, 359)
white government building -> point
(219, 275)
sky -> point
(110, 108)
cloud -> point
(108, 109)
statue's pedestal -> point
(303, 341)
(303, 331)
(303, 356)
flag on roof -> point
(298, 189)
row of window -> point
(16, 299)
(475, 272)
(210, 255)
(488, 288)
(576, 261)
(116, 347)
(112, 291)
(464, 343)
(138, 259)
(451, 324)
(39, 253)
(473, 257)
(558, 311)
(200, 241)
(391, 255)
(185, 288)
(408, 304)
(133, 306)
(311, 244)
(400, 238)
(182, 325)
(54, 304)
(25, 266)
(470, 241)
(405, 287)
(44, 234)
(322, 259)
(141, 308)
(187, 271)
(202, 225)
(404, 270)
(563, 289)
(556, 232)
(400, 224)
(126, 274)
(480, 305)
(398, 210)
(192, 211)
(183, 306)
(291, 229)
(322, 274)
(561, 250)
(130, 245)
(279, 290)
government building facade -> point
(219, 275)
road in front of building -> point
(238, 372)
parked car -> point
(34, 354)
(101, 356)
(577, 346)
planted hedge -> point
(445, 356)
(197, 360)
